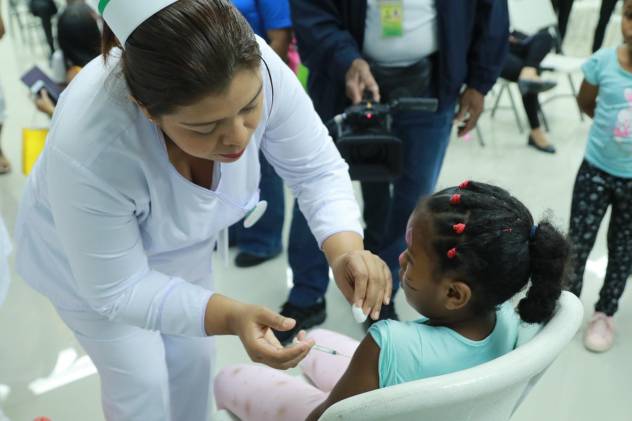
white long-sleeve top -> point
(108, 224)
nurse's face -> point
(219, 127)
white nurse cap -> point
(124, 16)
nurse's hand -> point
(253, 324)
(254, 328)
(364, 280)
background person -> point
(270, 19)
(437, 47)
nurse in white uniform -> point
(151, 154)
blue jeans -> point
(264, 239)
(386, 210)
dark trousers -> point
(529, 53)
(596, 190)
(607, 7)
(563, 9)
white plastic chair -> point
(488, 392)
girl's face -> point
(417, 270)
(626, 22)
(219, 127)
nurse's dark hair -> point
(486, 238)
(188, 50)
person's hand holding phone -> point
(44, 103)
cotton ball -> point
(358, 314)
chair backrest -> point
(488, 392)
(530, 16)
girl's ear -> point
(458, 295)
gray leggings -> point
(594, 191)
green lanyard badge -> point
(392, 18)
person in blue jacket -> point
(463, 42)
(270, 19)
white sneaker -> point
(599, 335)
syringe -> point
(329, 351)
(325, 350)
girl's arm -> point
(587, 98)
(361, 376)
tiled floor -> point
(579, 387)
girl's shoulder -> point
(387, 331)
(600, 63)
(605, 56)
(403, 333)
(507, 320)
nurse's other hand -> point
(254, 328)
(365, 280)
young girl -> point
(469, 250)
(605, 179)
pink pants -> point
(259, 393)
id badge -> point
(392, 18)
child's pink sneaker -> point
(599, 335)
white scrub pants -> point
(146, 375)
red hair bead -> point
(458, 228)
(452, 253)
(464, 185)
(455, 199)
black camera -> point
(363, 135)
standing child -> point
(469, 250)
(605, 179)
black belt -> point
(408, 81)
